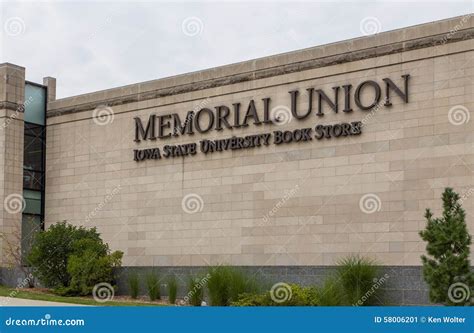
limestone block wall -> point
(304, 203)
(12, 90)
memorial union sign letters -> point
(257, 113)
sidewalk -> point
(12, 301)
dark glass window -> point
(33, 163)
(33, 129)
(33, 153)
(34, 157)
(33, 180)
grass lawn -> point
(42, 295)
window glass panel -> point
(32, 194)
(33, 153)
(33, 202)
(32, 206)
(32, 180)
(34, 130)
(35, 102)
(30, 225)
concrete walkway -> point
(13, 301)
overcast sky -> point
(90, 46)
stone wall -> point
(12, 90)
(402, 285)
(298, 204)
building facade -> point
(282, 165)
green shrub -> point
(90, 264)
(51, 250)
(153, 286)
(248, 299)
(331, 293)
(353, 284)
(134, 284)
(195, 291)
(172, 290)
(302, 296)
(357, 276)
(72, 260)
(447, 263)
(226, 283)
(289, 295)
(293, 295)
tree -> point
(447, 263)
(14, 255)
